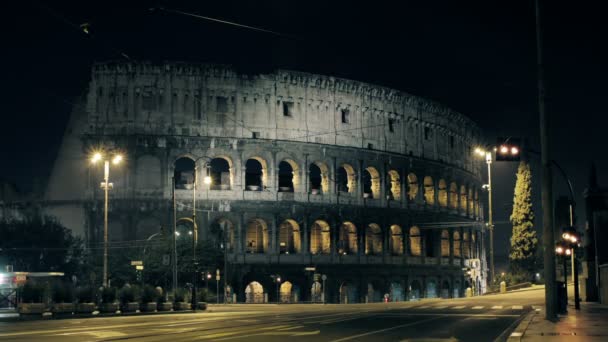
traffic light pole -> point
(490, 223)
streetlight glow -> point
(568, 251)
(96, 157)
(176, 233)
(117, 159)
(504, 149)
(207, 180)
(514, 150)
(559, 250)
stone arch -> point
(445, 243)
(471, 202)
(412, 186)
(374, 293)
(286, 292)
(429, 190)
(316, 291)
(445, 289)
(217, 230)
(289, 237)
(431, 288)
(396, 292)
(415, 244)
(320, 240)
(220, 172)
(456, 244)
(147, 173)
(442, 195)
(373, 239)
(348, 293)
(456, 289)
(395, 186)
(415, 290)
(288, 175)
(453, 196)
(254, 293)
(396, 240)
(319, 177)
(347, 180)
(371, 182)
(347, 243)
(183, 173)
(256, 171)
(257, 236)
(463, 198)
(467, 244)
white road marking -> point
(383, 330)
(517, 307)
(458, 307)
(440, 307)
(497, 307)
(516, 334)
(477, 307)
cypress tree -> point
(523, 239)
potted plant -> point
(108, 300)
(32, 302)
(149, 296)
(63, 299)
(85, 300)
(202, 299)
(127, 299)
(163, 304)
(180, 300)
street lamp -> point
(194, 232)
(278, 281)
(106, 185)
(564, 250)
(488, 155)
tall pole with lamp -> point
(207, 180)
(106, 185)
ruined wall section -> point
(216, 101)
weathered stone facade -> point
(373, 187)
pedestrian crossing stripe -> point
(517, 307)
(458, 307)
(440, 307)
(477, 307)
(497, 307)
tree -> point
(523, 240)
(39, 244)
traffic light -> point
(508, 149)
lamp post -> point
(207, 180)
(488, 157)
(570, 239)
(564, 250)
(278, 281)
(116, 159)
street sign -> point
(139, 267)
(324, 277)
(137, 263)
(166, 259)
(217, 274)
(310, 269)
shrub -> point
(202, 295)
(126, 295)
(62, 293)
(85, 294)
(32, 293)
(108, 294)
(149, 294)
(181, 295)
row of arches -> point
(256, 177)
(369, 240)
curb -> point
(516, 331)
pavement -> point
(484, 318)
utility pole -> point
(547, 183)
(106, 182)
(490, 223)
(174, 236)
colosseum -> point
(347, 190)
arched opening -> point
(347, 243)
(456, 291)
(395, 186)
(316, 292)
(222, 234)
(456, 245)
(183, 173)
(286, 292)
(415, 241)
(319, 178)
(453, 196)
(430, 242)
(373, 294)
(257, 236)
(445, 289)
(254, 293)
(477, 207)
(289, 237)
(348, 293)
(429, 190)
(286, 176)
(445, 243)
(415, 290)
(373, 239)
(463, 198)
(396, 294)
(346, 179)
(320, 238)
(412, 187)
(467, 244)
(471, 202)
(396, 240)
(219, 171)
(371, 183)
(255, 173)
(431, 288)
(442, 195)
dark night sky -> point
(477, 57)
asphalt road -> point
(477, 319)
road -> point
(464, 319)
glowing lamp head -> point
(176, 233)
(559, 249)
(96, 157)
(568, 251)
(117, 159)
(208, 275)
(207, 180)
(504, 149)
(278, 279)
(574, 239)
(189, 232)
(566, 236)
(514, 150)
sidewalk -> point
(590, 323)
